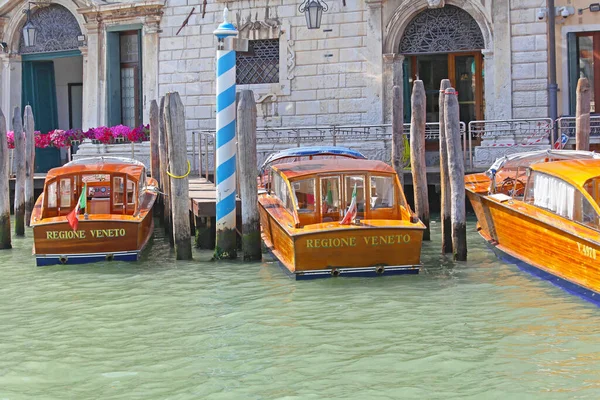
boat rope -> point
(182, 176)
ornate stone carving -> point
(57, 30)
(436, 3)
(441, 30)
(291, 59)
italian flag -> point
(72, 216)
(351, 213)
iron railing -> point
(566, 125)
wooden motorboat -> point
(341, 216)
(540, 211)
(93, 209)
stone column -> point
(488, 84)
(4, 83)
(392, 76)
(14, 83)
(374, 45)
(150, 64)
(91, 78)
(502, 76)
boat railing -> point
(566, 125)
(509, 134)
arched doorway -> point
(52, 77)
(444, 43)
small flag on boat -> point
(560, 143)
(72, 216)
(351, 213)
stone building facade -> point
(129, 53)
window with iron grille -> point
(260, 64)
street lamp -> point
(29, 30)
(313, 11)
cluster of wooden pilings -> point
(453, 214)
(23, 127)
(171, 168)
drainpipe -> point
(552, 86)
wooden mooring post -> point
(251, 246)
(28, 125)
(164, 178)
(17, 123)
(445, 203)
(417, 154)
(5, 238)
(398, 133)
(179, 170)
(456, 171)
(154, 142)
(582, 115)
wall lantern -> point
(29, 30)
(313, 11)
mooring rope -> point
(182, 176)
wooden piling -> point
(179, 169)
(154, 145)
(164, 178)
(29, 124)
(5, 239)
(398, 132)
(582, 115)
(445, 204)
(248, 172)
(417, 154)
(19, 206)
(456, 170)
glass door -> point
(466, 76)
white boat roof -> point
(104, 160)
(524, 160)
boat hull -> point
(94, 241)
(364, 250)
(545, 246)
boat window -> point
(355, 182)
(118, 191)
(281, 191)
(52, 195)
(304, 192)
(330, 195)
(65, 192)
(551, 193)
(382, 192)
(588, 215)
(130, 191)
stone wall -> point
(322, 73)
(529, 60)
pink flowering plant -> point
(103, 134)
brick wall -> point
(529, 60)
(329, 77)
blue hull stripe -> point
(227, 205)
(225, 98)
(73, 259)
(225, 63)
(573, 288)
(225, 170)
(226, 134)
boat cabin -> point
(320, 191)
(114, 186)
(570, 189)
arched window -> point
(56, 30)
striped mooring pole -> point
(225, 246)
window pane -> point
(304, 192)
(52, 195)
(65, 192)
(552, 194)
(130, 192)
(129, 47)
(118, 191)
(382, 192)
(260, 64)
(330, 195)
(355, 183)
(586, 63)
(128, 96)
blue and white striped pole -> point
(226, 146)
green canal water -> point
(161, 329)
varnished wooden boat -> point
(540, 211)
(116, 223)
(304, 203)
